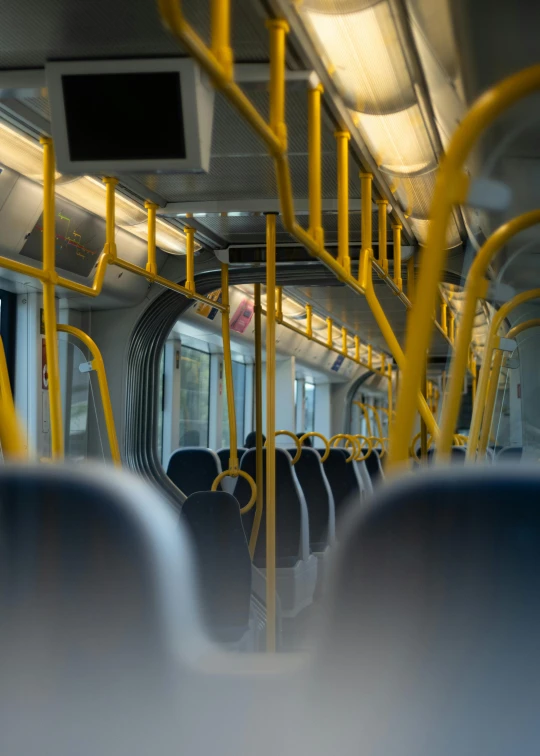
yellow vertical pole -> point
(383, 236)
(270, 433)
(227, 366)
(314, 163)
(356, 349)
(329, 337)
(370, 357)
(366, 180)
(220, 33)
(151, 265)
(344, 349)
(342, 140)
(423, 428)
(279, 303)
(309, 321)
(444, 317)
(383, 362)
(397, 255)
(110, 229)
(11, 434)
(49, 302)
(390, 397)
(259, 504)
(452, 326)
(190, 258)
(474, 376)
(410, 278)
(278, 28)
(491, 396)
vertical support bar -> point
(370, 357)
(49, 302)
(190, 258)
(270, 433)
(383, 362)
(309, 322)
(356, 349)
(151, 265)
(11, 434)
(487, 419)
(444, 317)
(410, 278)
(423, 427)
(110, 220)
(329, 336)
(397, 255)
(452, 326)
(227, 365)
(314, 160)
(259, 505)
(342, 142)
(278, 29)
(390, 396)
(383, 236)
(279, 303)
(474, 375)
(220, 29)
(366, 180)
(344, 349)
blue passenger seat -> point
(319, 499)
(193, 469)
(344, 480)
(510, 454)
(433, 619)
(224, 566)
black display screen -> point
(124, 116)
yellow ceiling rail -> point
(491, 344)
(11, 434)
(344, 349)
(99, 366)
(451, 188)
(382, 205)
(397, 227)
(342, 142)
(329, 336)
(151, 265)
(356, 348)
(314, 157)
(476, 287)
(309, 322)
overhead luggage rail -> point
(451, 188)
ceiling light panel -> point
(360, 45)
(399, 141)
(420, 228)
(89, 193)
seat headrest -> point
(193, 469)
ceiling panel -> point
(33, 31)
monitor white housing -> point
(111, 117)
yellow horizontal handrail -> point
(451, 188)
(99, 366)
(314, 434)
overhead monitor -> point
(111, 117)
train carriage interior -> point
(269, 417)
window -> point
(309, 400)
(239, 380)
(194, 397)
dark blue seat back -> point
(224, 566)
(510, 454)
(291, 511)
(343, 480)
(458, 455)
(435, 601)
(224, 455)
(373, 464)
(193, 469)
(318, 495)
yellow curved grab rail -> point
(11, 434)
(494, 383)
(413, 451)
(236, 474)
(483, 380)
(475, 288)
(349, 440)
(367, 440)
(296, 440)
(314, 434)
(451, 188)
(227, 366)
(99, 366)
